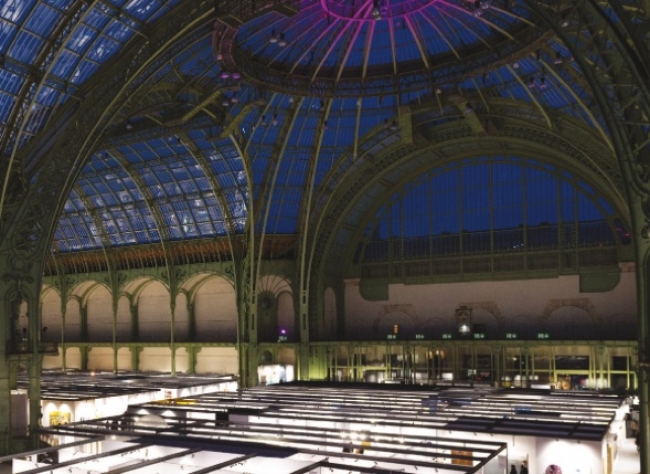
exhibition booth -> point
(77, 396)
(325, 428)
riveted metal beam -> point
(303, 224)
(31, 88)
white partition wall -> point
(101, 358)
(155, 359)
(182, 360)
(217, 360)
(73, 358)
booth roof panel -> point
(303, 426)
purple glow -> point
(283, 332)
(361, 10)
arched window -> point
(491, 214)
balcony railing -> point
(24, 346)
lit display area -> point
(319, 428)
(77, 396)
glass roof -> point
(488, 193)
(63, 43)
(168, 170)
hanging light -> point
(283, 42)
(225, 102)
(558, 58)
(531, 82)
(225, 75)
(263, 122)
(275, 120)
(219, 57)
(376, 12)
(542, 82)
(274, 37)
(234, 98)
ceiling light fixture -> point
(376, 12)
